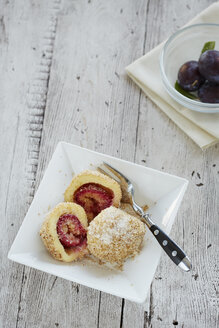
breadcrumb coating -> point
(114, 235)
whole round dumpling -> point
(114, 235)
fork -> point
(175, 253)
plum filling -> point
(93, 198)
(70, 231)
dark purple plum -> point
(209, 93)
(189, 77)
(209, 65)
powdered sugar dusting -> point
(114, 235)
(114, 224)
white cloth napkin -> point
(202, 128)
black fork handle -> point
(175, 253)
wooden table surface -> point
(62, 78)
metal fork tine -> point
(109, 174)
(116, 172)
(120, 178)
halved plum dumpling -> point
(94, 191)
(93, 198)
(64, 232)
(70, 231)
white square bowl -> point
(161, 191)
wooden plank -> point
(20, 47)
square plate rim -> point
(140, 299)
(121, 160)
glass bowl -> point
(184, 45)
